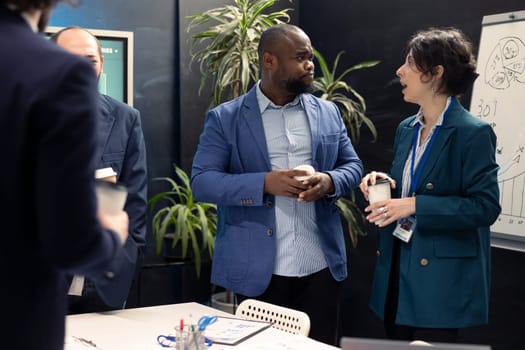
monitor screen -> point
(116, 79)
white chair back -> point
(283, 318)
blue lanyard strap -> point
(422, 162)
(414, 178)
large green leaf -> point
(352, 108)
(227, 48)
(187, 222)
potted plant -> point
(332, 87)
(182, 221)
(227, 48)
(336, 89)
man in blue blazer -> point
(279, 238)
(49, 215)
(120, 147)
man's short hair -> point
(55, 36)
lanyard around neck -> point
(414, 178)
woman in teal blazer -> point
(434, 278)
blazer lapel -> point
(312, 113)
(251, 115)
(405, 137)
(441, 141)
(437, 148)
(104, 125)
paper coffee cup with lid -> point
(379, 192)
(309, 170)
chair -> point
(283, 318)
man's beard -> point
(298, 87)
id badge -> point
(404, 229)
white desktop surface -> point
(137, 329)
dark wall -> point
(379, 30)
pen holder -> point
(190, 338)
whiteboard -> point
(498, 97)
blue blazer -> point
(229, 169)
(48, 209)
(121, 146)
(445, 268)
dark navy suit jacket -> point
(121, 147)
(229, 169)
(48, 204)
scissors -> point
(205, 321)
(166, 341)
(169, 341)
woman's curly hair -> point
(447, 47)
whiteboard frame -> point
(503, 18)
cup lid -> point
(381, 181)
(104, 172)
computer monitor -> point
(116, 79)
(349, 343)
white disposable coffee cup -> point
(379, 192)
(111, 197)
(306, 167)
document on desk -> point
(283, 341)
(232, 331)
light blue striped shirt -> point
(420, 149)
(289, 143)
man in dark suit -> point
(121, 147)
(279, 237)
(48, 210)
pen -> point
(86, 342)
(181, 324)
(194, 337)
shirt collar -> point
(265, 102)
(419, 115)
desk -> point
(137, 329)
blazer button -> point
(378, 252)
(109, 274)
(429, 186)
(269, 204)
(269, 232)
(423, 262)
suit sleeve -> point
(134, 177)
(347, 171)
(68, 228)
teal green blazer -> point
(445, 268)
